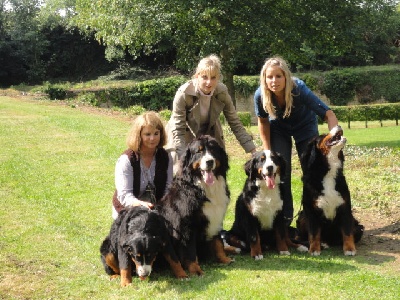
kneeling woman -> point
(144, 171)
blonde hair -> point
(210, 65)
(266, 93)
(149, 118)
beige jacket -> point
(184, 124)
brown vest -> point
(160, 177)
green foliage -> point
(361, 85)
(245, 118)
(88, 97)
(311, 80)
(246, 85)
(165, 114)
(135, 110)
(155, 94)
(375, 112)
(339, 86)
(56, 92)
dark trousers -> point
(281, 142)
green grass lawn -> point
(56, 184)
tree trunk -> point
(227, 72)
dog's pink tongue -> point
(270, 182)
(208, 177)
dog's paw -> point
(259, 257)
(350, 253)
(302, 248)
(324, 245)
(315, 253)
(184, 278)
(284, 253)
(238, 250)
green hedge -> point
(155, 94)
(341, 86)
(375, 112)
(361, 85)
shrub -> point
(165, 114)
(245, 118)
(339, 86)
(56, 92)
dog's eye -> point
(200, 149)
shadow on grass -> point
(380, 245)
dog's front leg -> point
(217, 247)
(176, 266)
(280, 237)
(255, 246)
(125, 267)
(314, 238)
(126, 276)
(190, 257)
(349, 247)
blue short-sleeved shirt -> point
(302, 122)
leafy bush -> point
(245, 118)
(56, 92)
(88, 97)
(135, 110)
(376, 112)
(165, 114)
(339, 86)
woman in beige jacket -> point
(196, 109)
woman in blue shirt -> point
(287, 108)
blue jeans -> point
(281, 142)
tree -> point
(235, 30)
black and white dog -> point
(135, 240)
(259, 219)
(327, 215)
(196, 203)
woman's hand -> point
(143, 203)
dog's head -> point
(204, 159)
(142, 238)
(334, 141)
(267, 166)
(143, 251)
(326, 144)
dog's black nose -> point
(270, 170)
(210, 163)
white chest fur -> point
(330, 199)
(266, 204)
(215, 210)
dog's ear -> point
(308, 156)
(185, 159)
(249, 166)
(126, 247)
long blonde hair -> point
(150, 118)
(266, 93)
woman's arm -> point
(265, 135)
(331, 119)
(177, 123)
(124, 183)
